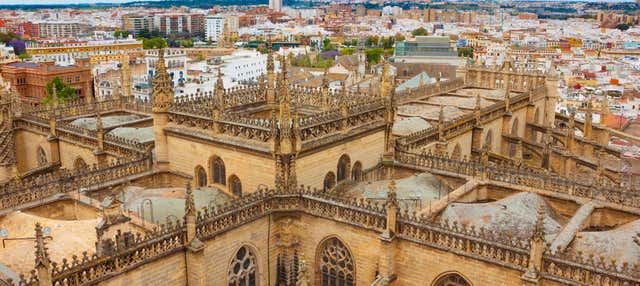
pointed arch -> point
(41, 157)
(356, 171)
(235, 185)
(514, 127)
(243, 268)
(200, 176)
(451, 279)
(344, 167)
(218, 170)
(335, 263)
(329, 181)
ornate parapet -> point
(503, 249)
(521, 176)
(466, 123)
(429, 90)
(17, 192)
(79, 107)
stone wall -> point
(220, 250)
(27, 144)
(312, 168)
(170, 270)
(252, 169)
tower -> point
(125, 77)
(275, 5)
(162, 97)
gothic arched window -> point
(514, 127)
(201, 177)
(329, 181)
(452, 279)
(236, 185)
(336, 264)
(344, 164)
(356, 171)
(242, 270)
(219, 171)
(42, 157)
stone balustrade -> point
(17, 192)
(522, 176)
(505, 249)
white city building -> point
(214, 26)
(275, 5)
(174, 59)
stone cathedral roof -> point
(617, 242)
(516, 214)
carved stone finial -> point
(219, 93)
(392, 196)
(538, 231)
(42, 257)
(162, 88)
(189, 204)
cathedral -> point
(468, 181)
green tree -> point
(347, 51)
(420, 32)
(623, 27)
(121, 34)
(374, 55)
(154, 43)
(372, 41)
(8, 37)
(327, 45)
(399, 37)
(144, 33)
(24, 56)
(465, 52)
(63, 91)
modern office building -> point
(137, 22)
(427, 49)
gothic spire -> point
(219, 94)
(538, 231)
(270, 63)
(285, 99)
(125, 74)
(42, 257)
(162, 87)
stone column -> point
(532, 276)
(388, 241)
(43, 264)
(196, 264)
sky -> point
(36, 2)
